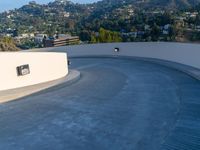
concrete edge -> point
(189, 70)
(13, 94)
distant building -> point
(165, 32)
(39, 38)
(146, 27)
(32, 3)
(25, 35)
(66, 14)
(61, 40)
(166, 27)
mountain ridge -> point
(178, 4)
(143, 17)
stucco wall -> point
(184, 53)
(43, 67)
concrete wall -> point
(43, 67)
(184, 53)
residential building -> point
(61, 41)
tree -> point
(107, 36)
(7, 44)
(93, 39)
(85, 35)
(155, 32)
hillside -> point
(67, 15)
(150, 4)
(7, 47)
(171, 3)
(146, 17)
(6, 44)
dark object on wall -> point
(69, 62)
(116, 49)
(23, 70)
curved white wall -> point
(184, 53)
(43, 67)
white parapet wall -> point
(43, 67)
(184, 53)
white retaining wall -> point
(184, 53)
(43, 67)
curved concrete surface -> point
(8, 95)
(182, 56)
(118, 104)
(43, 67)
(184, 53)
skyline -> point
(12, 4)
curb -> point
(14, 94)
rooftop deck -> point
(117, 104)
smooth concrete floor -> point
(9, 95)
(117, 104)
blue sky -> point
(10, 4)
